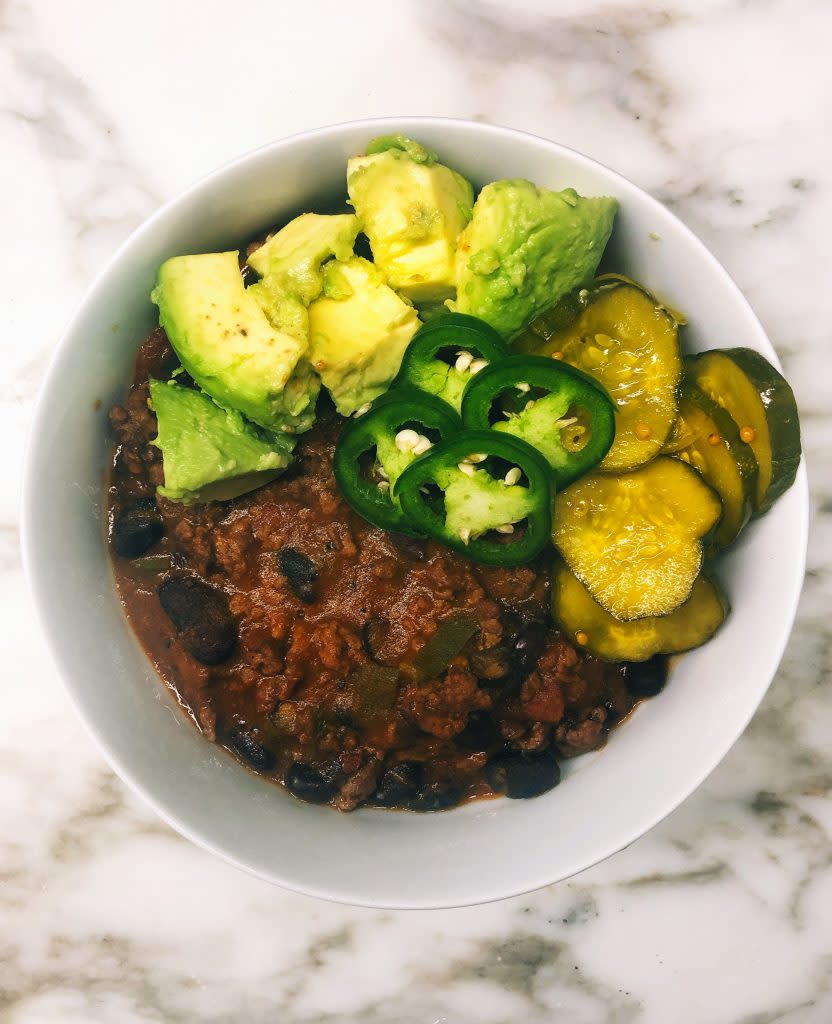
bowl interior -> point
(478, 852)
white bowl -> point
(479, 852)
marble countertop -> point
(721, 914)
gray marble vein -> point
(720, 915)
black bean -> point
(309, 783)
(136, 528)
(479, 733)
(400, 784)
(300, 573)
(201, 615)
(645, 678)
(491, 665)
(528, 647)
(520, 775)
(242, 741)
(436, 797)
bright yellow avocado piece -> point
(412, 211)
(292, 257)
(358, 331)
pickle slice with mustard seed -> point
(628, 341)
(761, 403)
(635, 540)
(589, 626)
(726, 463)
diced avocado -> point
(337, 282)
(292, 257)
(358, 331)
(412, 209)
(297, 404)
(290, 267)
(284, 310)
(286, 313)
(415, 150)
(525, 248)
(226, 342)
(210, 453)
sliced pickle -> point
(762, 404)
(725, 462)
(635, 540)
(591, 627)
(629, 342)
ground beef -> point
(441, 706)
(319, 684)
(580, 737)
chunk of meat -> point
(572, 739)
(541, 698)
(358, 786)
(195, 543)
(232, 542)
(441, 706)
(536, 737)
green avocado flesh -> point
(318, 315)
(209, 453)
(527, 247)
(228, 345)
(290, 261)
(415, 151)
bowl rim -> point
(38, 582)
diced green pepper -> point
(451, 635)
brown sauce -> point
(291, 626)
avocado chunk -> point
(289, 263)
(358, 331)
(296, 406)
(284, 310)
(414, 150)
(210, 453)
(227, 343)
(525, 248)
(412, 209)
(291, 259)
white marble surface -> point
(723, 913)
